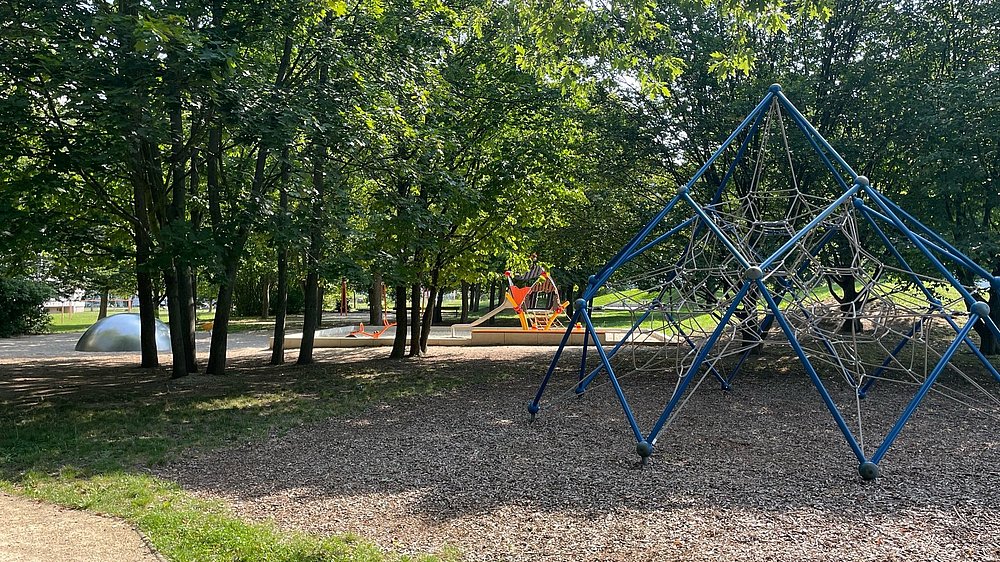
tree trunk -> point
(281, 307)
(144, 282)
(438, 300)
(220, 325)
(313, 313)
(232, 238)
(433, 303)
(103, 312)
(988, 343)
(190, 283)
(188, 309)
(139, 182)
(178, 366)
(851, 302)
(399, 341)
(176, 275)
(147, 316)
(464, 318)
(415, 324)
(309, 318)
(375, 300)
(265, 298)
(493, 295)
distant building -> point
(67, 304)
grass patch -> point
(69, 322)
(87, 449)
(76, 322)
(186, 528)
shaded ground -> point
(36, 368)
(759, 473)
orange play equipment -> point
(360, 332)
(538, 304)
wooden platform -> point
(477, 337)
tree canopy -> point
(258, 149)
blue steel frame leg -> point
(925, 388)
(765, 325)
(585, 382)
(915, 240)
(687, 339)
(814, 376)
(583, 363)
(629, 252)
(642, 447)
(533, 407)
(895, 221)
(917, 326)
(696, 365)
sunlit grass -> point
(183, 527)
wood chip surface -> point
(757, 473)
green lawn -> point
(64, 323)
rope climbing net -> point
(777, 247)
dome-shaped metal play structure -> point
(777, 243)
(120, 332)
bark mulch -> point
(757, 473)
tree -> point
(21, 309)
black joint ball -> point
(644, 449)
(532, 409)
(868, 471)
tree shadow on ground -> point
(439, 451)
(766, 451)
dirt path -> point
(34, 531)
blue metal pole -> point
(931, 245)
(806, 127)
(715, 229)
(583, 361)
(765, 324)
(936, 304)
(979, 270)
(920, 246)
(739, 154)
(614, 350)
(704, 167)
(614, 379)
(598, 280)
(924, 388)
(680, 330)
(756, 116)
(810, 226)
(696, 365)
(813, 375)
(867, 212)
(892, 355)
(659, 239)
(533, 407)
(813, 132)
(949, 252)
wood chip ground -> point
(757, 473)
